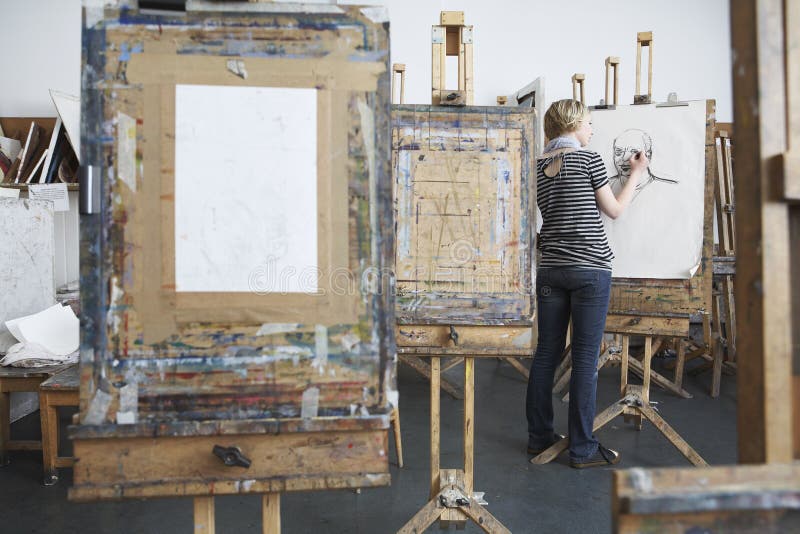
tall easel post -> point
(577, 81)
(452, 500)
(399, 69)
(451, 38)
(612, 63)
(644, 39)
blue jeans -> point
(583, 294)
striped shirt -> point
(572, 233)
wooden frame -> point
(644, 39)
(765, 36)
(452, 38)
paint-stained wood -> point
(731, 498)
(171, 367)
(463, 199)
(149, 467)
(762, 290)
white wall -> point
(515, 42)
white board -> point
(660, 235)
(26, 263)
(245, 189)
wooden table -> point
(13, 380)
(60, 389)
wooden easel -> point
(716, 339)
(634, 404)
(452, 38)
(452, 499)
(399, 69)
(461, 316)
(502, 100)
(636, 309)
(577, 87)
(644, 39)
(204, 522)
(612, 63)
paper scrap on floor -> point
(50, 337)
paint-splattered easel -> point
(653, 308)
(462, 195)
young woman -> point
(573, 277)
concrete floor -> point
(552, 498)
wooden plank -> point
(435, 451)
(626, 354)
(469, 336)
(661, 424)
(486, 521)
(469, 424)
(204, 515)
(148, 467)
(762, 286)
(271, 513)
(423, 519)
(647, 325)
(516, 364)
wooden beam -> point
(762, 237)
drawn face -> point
(628, 144)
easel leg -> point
(680, 361)
(600, 421)
(515, 363)
(398, 441)
(419, 365)
(672, 436)
(484, 519)
(49, 422)
(204, 515)
(435, 441)
(469, 423)
(5, 424)
(271, 513)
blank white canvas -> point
(245, 189)
(660, 235)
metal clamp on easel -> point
(644, 39)
(577, 81)
(451, 38)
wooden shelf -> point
(24, 187)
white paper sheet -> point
(55, 328)
(126, 149)
(245, 189)
(55, 193)
(660, 235)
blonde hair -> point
(563, 117)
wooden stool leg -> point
(48, 417)
(271, 513)
(398, 442)
(204, 515)
(5, 425)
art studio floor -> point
(551, 498)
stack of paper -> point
(49, 337)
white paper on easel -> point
(126, 149)
(660, 235)
(245, 189)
